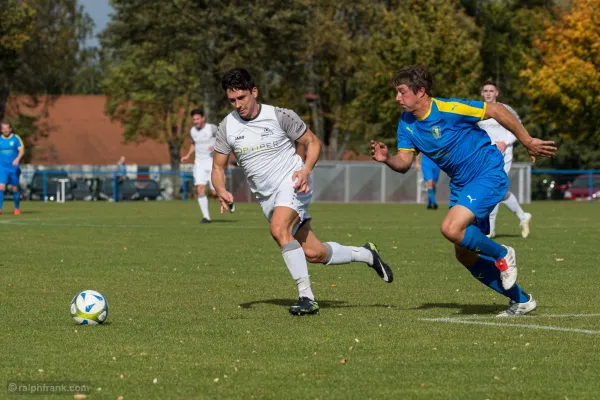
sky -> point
(99, 10)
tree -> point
(413, 33)
(170, 55)
(564, 78)
(15, 31)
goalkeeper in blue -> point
(11, 152)
(446, 131)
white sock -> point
(294, 258)
(513, 205)
(338, 254)
(493, 216)
(203, 203)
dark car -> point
(148, 189)
(36, 188)
(82, 191)
(126, 190)
(580, 188)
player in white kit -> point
(504, 140)
(263, 137)
(203, 143)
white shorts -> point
(286, 196)
(202, 171)
(508, 159)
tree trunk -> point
(335, 131)
(4, 91)
(174, 153)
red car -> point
(580, 188)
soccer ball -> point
(89, 308)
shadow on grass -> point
(465, 308)
(322, 304)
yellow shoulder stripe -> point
(405, 149)
(20, 140)
(462, 109)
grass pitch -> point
(200, 311)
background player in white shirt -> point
(263, 139)
(504, 140)
(203, 144)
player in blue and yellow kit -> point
(11, 152)
(446, 131)
(431, 174)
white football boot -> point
(525, 225)
(517, 309)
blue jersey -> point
(9, 150)
(450, 137)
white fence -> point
(346, 182)
(357, 182)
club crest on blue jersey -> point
(436, 131)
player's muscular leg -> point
(456, 222)
(465, 256)
(430, 184)
(314, 250)
(282, 222)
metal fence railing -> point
(347, 182)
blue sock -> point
(475, 240)
(1, 198)
(431, 196)
(17, 198)
(485, 271)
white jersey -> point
(203, 139)
(498, 133)
(264, 146)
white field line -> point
(92, 225)
(528, 326)
(471, 317)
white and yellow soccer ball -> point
(89, 308)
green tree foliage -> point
(413, 33)
(170, 55)
(16, 27)
(39, 46)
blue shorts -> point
(431, 172)
(10, 177)
(481, 196)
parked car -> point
(36, 188)
(82, 191)
(126, 190)
(148, 189)
(580, 188)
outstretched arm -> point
(535, 147)
(189, 153)
(400, 162)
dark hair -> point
(197, 111)
(415, 77)
(237, 79)
(489, 83)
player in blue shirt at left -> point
(11, 152)
(446, 131)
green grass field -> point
(202, 309)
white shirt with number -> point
(264, 146)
